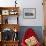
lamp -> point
(15, 3)
(15, 37)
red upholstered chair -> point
(29, 33)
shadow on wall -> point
(37, 29)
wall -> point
(27, 4)
(7, 3)
(39, 13)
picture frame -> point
(5, 12)
(29, 13)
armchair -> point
(30, 38)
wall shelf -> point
(7, 23)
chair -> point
(28, 34)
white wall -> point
(27, 4)
(39, 13)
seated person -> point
(30, 38)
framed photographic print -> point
(29, 13)
(5, 12)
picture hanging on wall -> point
(29, 13)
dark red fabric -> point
(29, 33)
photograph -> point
(29, 13)
(22, 23)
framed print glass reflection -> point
(29, 13)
